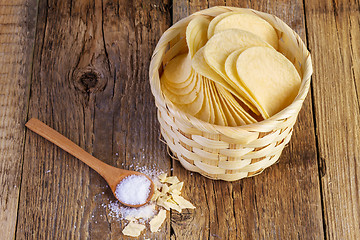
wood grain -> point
(85, 73)
(284, 202)
(90, 83)
(333, 28)
(17, 33)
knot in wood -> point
(89, 80)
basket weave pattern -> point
(222, 152)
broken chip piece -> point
(157, 221)
(182, 202)
(133, 229)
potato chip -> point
(196, 33)
(237, 109)
(231, 72)
(251, 23)
(232, 111)
(270, 77)
(178, 70)
(179, 85)
(133, 229)
(193, 86)
(220, 46)
(195, 106)
(224, 105)
(210, 101)
(157, 221)
(206, 111)
(177, 98)
(218, 111)
(214, 22)
(201, 67)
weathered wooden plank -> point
(90, 82)
(17, 33)
(281, 203)
(333, 28)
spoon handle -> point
(66, 144)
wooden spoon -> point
(112, 175)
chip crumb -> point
(133, 229)
(172, 180)
(183, 203)
(177, 186)
(165, 189)
(157, 221)
(156, 195)
(173, 205)
(161, 202)
(162, 177)
(175, 192)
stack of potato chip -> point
(229, 71)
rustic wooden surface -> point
(17, 33)
(82, 68)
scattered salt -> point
(120, 212)
(133, 190)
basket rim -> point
(281, 115)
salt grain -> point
(120, 212)
(133, 190)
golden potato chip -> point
(179, 85)
(179, 96)
(251, 23)
(220, 46)
(214, 22)
(206, 111)
(219, 113)
(210, 101)
(270, 77)
(178, 70)
(231, 72)
(193, 85)
(157, 221)
(133, 229)
(201, 67)
(196, 33)
(239, 110)
(194, 107)
(231, 109)
(224, 105)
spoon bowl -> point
(112, 175)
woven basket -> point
(222, 152)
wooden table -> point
(82, 67)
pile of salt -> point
(133, 190)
